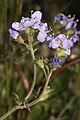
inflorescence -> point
(61, 37)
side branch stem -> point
(46, 84)
(11, 111)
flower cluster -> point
(34, 22)
(62, 41)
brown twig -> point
(25, 80)
(58, 71)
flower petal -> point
(44, 27)
(36, 16)
(71, 24)
(56, 61)
(75, 38)
(60, 37)
(26, 22)
(41, 36)
(17, 26)
(61, 17)
(37, 25)
(53, 44)
(14, 34)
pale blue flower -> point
(56, 61)
(67, 44)
(43, 33)
(70, 25)
(61, 17)
(41, 36)
(75, 37)
(17, 26)
(13, 34)
(36, 16)
(57, 41)
(28, 22)
(37, 26)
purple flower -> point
(41, 36)
(37, 26)
(74, 37)
(13, 34)
(61, 17)
(43, 33)
(56, 61)
(36, 16)
(62, 42)
(53, 44)
(67, 44)
(35, 21)
(70, 25)
(17, 26)
(57, 41)
(48, 39)
(28, 22)
(24, 23)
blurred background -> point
(64, 101)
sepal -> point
(40, 63)
(16, 98)
(46, 93)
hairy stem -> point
(46, 84)
(11, 111)
(34, 65)
(33, 84)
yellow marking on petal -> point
(60, 43)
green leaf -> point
(61, 52)
(40, 63)
(46, 93)
(16, 97)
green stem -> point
(33, 84)
(11, 111)
(45, 73)
(34, 65)
(46, 84)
